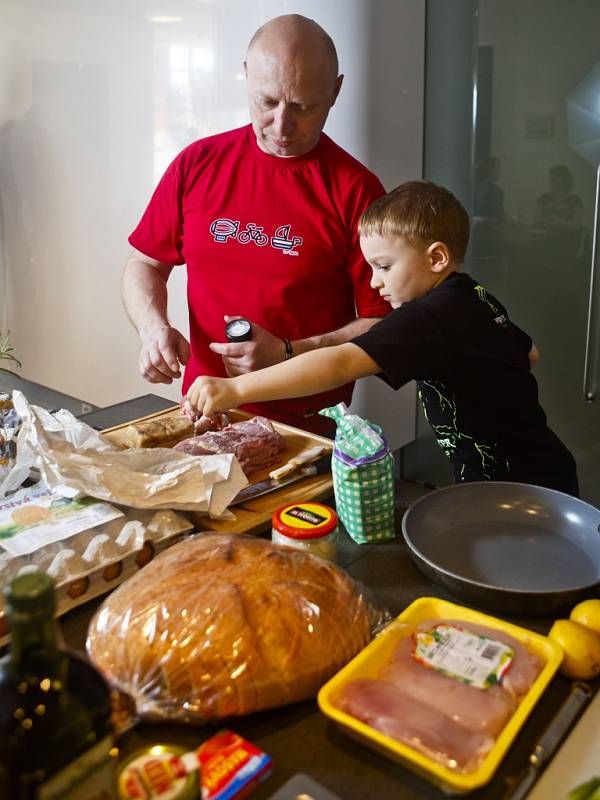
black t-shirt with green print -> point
(471, 364)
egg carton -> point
(95, 561)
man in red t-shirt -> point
(266, 219)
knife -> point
(550, 741)
(319, 467)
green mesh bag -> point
(363, 477)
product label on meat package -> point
(463, 655)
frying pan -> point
(508, 547)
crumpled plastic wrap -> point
(74, 459)
(224, 625)
(10, 423)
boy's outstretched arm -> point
(306, 374)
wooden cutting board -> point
(255, 515)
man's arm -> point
(144, 293)
(264, 349)
(310, 373)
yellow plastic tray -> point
(368, 662)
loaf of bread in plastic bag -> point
(223, 625)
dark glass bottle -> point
(55, 730)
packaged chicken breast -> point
(444, 689)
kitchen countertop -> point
(300, 739)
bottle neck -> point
(33, 641)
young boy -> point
(471, 363)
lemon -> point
(588, 614)
(581, 646)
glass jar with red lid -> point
(312, 527)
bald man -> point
(265, 217)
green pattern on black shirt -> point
(463, 451)
(439, 406)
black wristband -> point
(289, 353)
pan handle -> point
(588, 387)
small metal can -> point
(157, 772)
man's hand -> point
(163, 349)
(212, 395)
(263, 350)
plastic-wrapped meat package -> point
(444, 715)
(525, 667)
(223, 625)
(486, 711)
(387, 708)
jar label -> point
(89, 777)
(306, 515)
(163, 774)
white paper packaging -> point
(74, 459)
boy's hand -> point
(213, 395)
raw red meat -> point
(216, 423)
(201, 422)
(187, 409)
(254, 442)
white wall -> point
(95, 100)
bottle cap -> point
(305, 520)
(238, 330)
(30, 590)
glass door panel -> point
(527, 113)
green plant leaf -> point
(7, 351)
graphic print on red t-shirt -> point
(223, 229)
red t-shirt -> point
(272, 239)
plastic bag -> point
(363, 477)
(10, 422)
(224, 625)
(74, 459)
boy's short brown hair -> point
(422, 213)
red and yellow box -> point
(231, 766)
